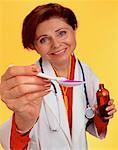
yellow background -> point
(97, 45)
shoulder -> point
(87, 69)
(90, 76)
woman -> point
(48, 115)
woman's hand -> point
(22, 91)
(110, 110)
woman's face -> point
(55, 40)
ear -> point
(75, 32)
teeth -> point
(59, 52)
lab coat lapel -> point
(51, 101)
(79, 104)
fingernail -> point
(48, 90)
(11, 65)
(34, 68)
(106, 109)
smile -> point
(59, 52)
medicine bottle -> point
(102, 100)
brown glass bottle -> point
(102, 100)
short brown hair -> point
(40, 14)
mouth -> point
(58, 53)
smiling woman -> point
(48, 115)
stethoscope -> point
(89, 112)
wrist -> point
(24, 124)
(23, 133)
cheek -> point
(72, 42)
(71, 38)
(41, 50)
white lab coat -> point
(53, 115)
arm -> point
(17, 140)
(22, 91)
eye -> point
(44, 40)
(62, 33)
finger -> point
(107, 118)
(19, 104)
(34, 96)
(111, 112)
(108, 108)
(20, 70)
(31, 97)
(110, 102)
(25, 89)
(18, 80)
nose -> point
(55, 43)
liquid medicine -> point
(102, 100)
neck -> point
(63, 69)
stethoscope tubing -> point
(85, 89)
(89, 113)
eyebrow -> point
(59, 29)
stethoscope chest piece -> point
(89, 113)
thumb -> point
(36, 68)
(95, 108)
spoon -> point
(61, 80)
